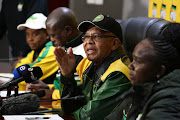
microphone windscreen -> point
(32, 74)
(20, 104)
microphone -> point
(20, 104)
(18, 71)
(32, 74)
(28, 74)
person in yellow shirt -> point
(61, 25)
(42, 48)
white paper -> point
(95, 2)
(4, 80)
(8, 75)
(32, 117)
(5, 77)
(4, 93)
(91, 1)
(99, 2)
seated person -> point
(154, 74)
(42, 48)
(61, 26)
(103, 72)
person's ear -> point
(47, 36)
(68, 29)
(116, 43)
(162, 71)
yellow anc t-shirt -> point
(46, 61)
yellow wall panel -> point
(165, 9)
(154, 8)
(175, 11)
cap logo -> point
(98, 18)
(32, 17)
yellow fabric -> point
(46, 61)
(118, 65)
(82, 66)
(56, 95)
(51, 86)
(48, 64)
(22, 86)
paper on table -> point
(5, 77)
(33, 117)
(4, 93)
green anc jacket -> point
(45, 60)
(99, 86)
(151, 101)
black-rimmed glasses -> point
(95, 38)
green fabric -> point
(116, 83)
(56, 83)
(59, 86)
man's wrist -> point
(67, 76)
(67, 80)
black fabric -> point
(70, 89)
(155, 100)
(105, 23)
(11, 17)
(75, 42)
(138, 28)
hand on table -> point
(37, 85)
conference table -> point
(46, 107)
(53, 107)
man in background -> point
(42, 48)
(61, 25)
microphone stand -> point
(8, 91)
(16, 89)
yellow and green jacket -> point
(45, 60)
(100, 85)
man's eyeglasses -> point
(95, 38)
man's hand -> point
(40, 85)
(67, 62)
(37, 85)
